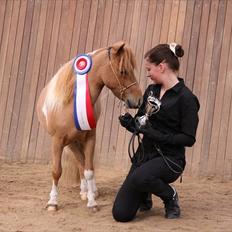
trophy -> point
(152, 107)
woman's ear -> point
(162, 67)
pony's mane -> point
(63, 81)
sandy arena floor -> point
(24, 188)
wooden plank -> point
(23, 81)
(7, 74)
(147, 45)
(191, 65)
(227, 104)
(222, 156)
(135, 24)
(199, 68)
(204, 87)
(141, 38)
(3, 53)
(106, 23)
(65, 33)
(13, 130)
(187, 36)
(44, 141)
(128, 21)
(214, 74)
(2, 17)
(158, 22)
(217, 127)
(165, 22)
(76, 28)
(91, 26)
(98, 35)
(52, 69)
(173, 21)
(227, 168)
(84, 26)
(15, 64)
(37, 154)
(121, 20)
(180, 22)
(29, 135)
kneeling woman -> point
(160, 157)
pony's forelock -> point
(127, 60)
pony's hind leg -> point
(57, 149)
(77, 151)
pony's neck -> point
(95, 87)
(96, 82)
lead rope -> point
(140, 158)
(131, 146)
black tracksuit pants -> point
(154, 177)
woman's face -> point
(154, 71)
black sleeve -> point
(169, 139)
(189, 115)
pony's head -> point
(118, 74)
(113, 67)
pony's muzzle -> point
(133, 103)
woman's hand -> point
(126, 120)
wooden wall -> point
(38, 36)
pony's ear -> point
(118, 46)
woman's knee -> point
(121, 214)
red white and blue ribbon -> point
(83, 108)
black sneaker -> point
(172, 208)
(146, 204)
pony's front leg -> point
(57, 149)
(88, 172)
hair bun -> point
(179, 52)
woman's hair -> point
(167, 53)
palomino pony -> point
(112, 67)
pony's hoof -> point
(52, 208)
(83, 196)
(94, 209)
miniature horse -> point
(112, 67)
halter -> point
(122, 88)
